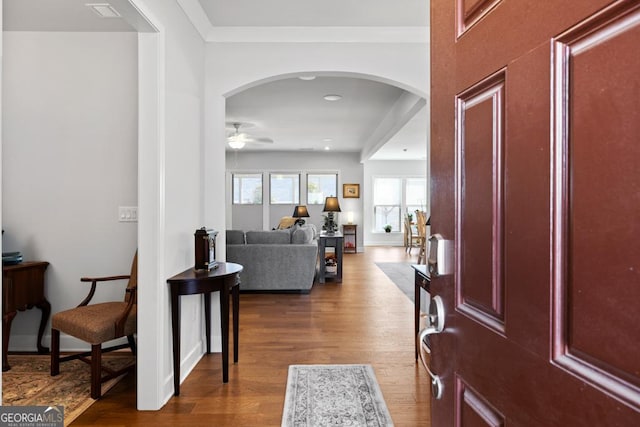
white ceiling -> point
(311, 13)
(290, 111)
(68, 15)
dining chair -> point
(421, 223)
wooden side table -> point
(350, 233)
(422, 280)
(327, 241)
(23, 289)
(223, 279)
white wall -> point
(172, 186)
(70, 159)
(170, 166)
(346, 165)
(380, 168)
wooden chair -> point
(421, 222)
(97, 324)
(412, 238)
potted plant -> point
(387, 228)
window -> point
(247, 189)
(321, 186)
(393, 197)
(285, 189)
(415, 194)
(387, 200)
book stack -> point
(11, 258)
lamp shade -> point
(300, 211)
(331, 205)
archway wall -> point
(233, 67)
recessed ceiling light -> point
(327, 140)
(327, 148)
(307, 77)
(332, 97)
(103, 10)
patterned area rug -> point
(334, 395)
(29, 382)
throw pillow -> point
(286, 222)
(302, 235)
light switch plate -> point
(128, 214)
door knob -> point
(435, 326)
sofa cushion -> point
(275, 237)
(302, 235)
(235, 237)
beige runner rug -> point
(334, 395)
(29, 382)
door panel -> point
(480, 178)
(474, 409)
(536, 178)
(598, 123)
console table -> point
(22, 289)
(223, 279)
(422, 281)
(325, 241)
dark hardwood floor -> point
(366, 319)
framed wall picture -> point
(351, 191)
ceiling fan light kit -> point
(237, 140)
(236, 144)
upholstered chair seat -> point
(96, 324)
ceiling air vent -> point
(103, 10)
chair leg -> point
(96, 371)
(132, 344)
(55, 352)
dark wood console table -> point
(223, 279)
(422, 281)
(325, 241)
(22, 289)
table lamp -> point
(300, 212)
(331, 206)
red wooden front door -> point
(535, 160)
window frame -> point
(335, 192)
(403, 207)
(233, 188)
(296, 194)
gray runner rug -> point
(334, 395)
(401, 274)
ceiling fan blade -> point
(260, 140)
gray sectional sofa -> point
(277, 260)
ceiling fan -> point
(237, 139)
